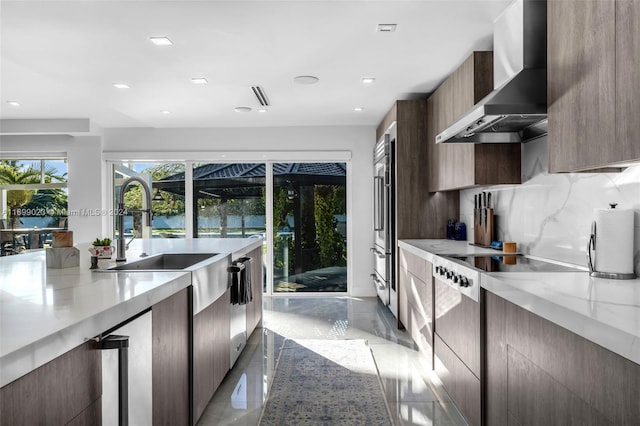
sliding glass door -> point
(309, 227)
(299, 209)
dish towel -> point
(240, 278)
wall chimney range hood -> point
(516, 110)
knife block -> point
(488, 229)
(483, 227)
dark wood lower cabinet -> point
(461, 384)
(211, 351)
(64, 390)
(540, 373)
(536, 398)
(415, 301)
(457, 349)
(68, 389)
(90, 416)
(171, 353)
(495, 372)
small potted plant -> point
(102, 248)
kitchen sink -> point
(209, 276)
(164, 261)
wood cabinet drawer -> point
(414, 264)
(422, 331)
(461, 384)
(457, 322)
(56, 392)
(535, 367)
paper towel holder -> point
(592, 246)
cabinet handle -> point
(378, 208)
(121, 343)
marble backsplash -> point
(550, 215)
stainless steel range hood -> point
(516, 110)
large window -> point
(33, 197)
(229, 200)
(166, 181)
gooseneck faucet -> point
(120, 256)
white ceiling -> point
(60, 58)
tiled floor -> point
(413, 396)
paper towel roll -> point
(614, 241)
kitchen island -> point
(45, 313)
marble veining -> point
(550, 215)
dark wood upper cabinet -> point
(627, 79)
(462, 165)
(592, 61)
(418, 213)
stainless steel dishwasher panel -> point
(238, 331)
(140, 373)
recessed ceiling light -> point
(306, 79)
(262, 110)
(386, 28)
(13, 103)
(242, 109)
(368, 80)
(164, 111)
(358, 109)
(161, 41)
(121, 86)
(199, 80)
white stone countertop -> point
(47, 312)
(606, 312)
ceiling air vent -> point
(260, 95)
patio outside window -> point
(33, 199)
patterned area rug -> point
(325, 382)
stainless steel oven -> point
(384, 248)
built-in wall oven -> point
(384, 246)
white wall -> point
(84, 155)
(258, 144)
(550, 215)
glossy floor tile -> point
(413, 395)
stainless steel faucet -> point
(120, 255)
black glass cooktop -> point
(512, 263)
